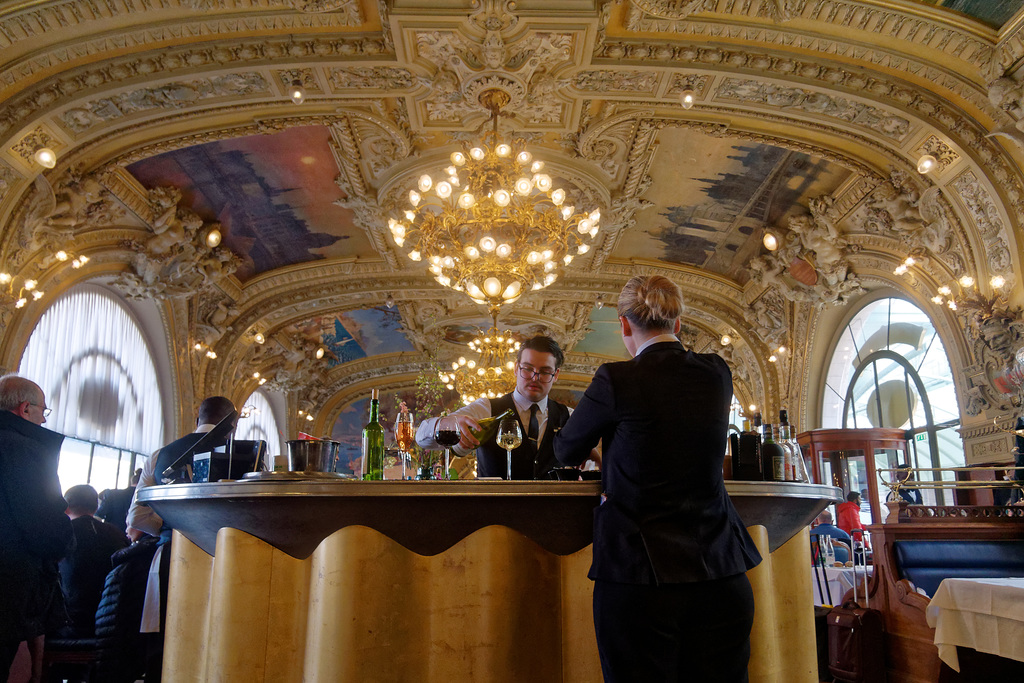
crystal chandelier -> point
(493, 375)
(492, 224)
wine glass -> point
(447, 436)
(405, 436)
(509, 437)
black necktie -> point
(534, 429)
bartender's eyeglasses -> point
(530, 372)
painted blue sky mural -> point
(273, 195)
(359, 333)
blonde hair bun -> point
(651, 302)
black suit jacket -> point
(662, 418)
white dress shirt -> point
(480, 409)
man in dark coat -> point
(83, 571)
(34, 531)
(114, 503)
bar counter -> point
(340, 580)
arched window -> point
(92, 361)
(261, 423)
(890, 369)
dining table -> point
(986, 615)
(830, 584)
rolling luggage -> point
(856, 640)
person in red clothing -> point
(848, 517)
(848, 513)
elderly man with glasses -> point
(34, 531)
(537, 367)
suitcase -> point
(856, 640)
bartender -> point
(537, 365)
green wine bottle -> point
(373, 443)
(489, 426)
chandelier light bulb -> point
(502, 198)
(61, 256)
(926, 164)
(770, 241)
(444, 280)
(593, 231)
(410, 215)
(297, 92)
(458, 158)
(503, 150)
(45, 157)
(30, 284)
(471, 364)
(951, 304)
(533, 258)
(471, 251)
(549, 266)
(477, 153)
(547, 254)
(967, 281)
(687, 98)
(543, 181)
(474, 291)
(567, 212)
(425, 183)
(512, 292)
(447, 262)
(557, 197)
(37, 295)
(524, 157)
(524, 186)
(582, 249)
(549, 278)
(415, 255)
(997, 281)
(444, 190)
(503, 250)
(414, 199)
(466, 200)
(584, 226)
(487, 243)
(536, 167)
(5, 278)
(20, 303)
(567, 259)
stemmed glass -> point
(405, 436)
(509, 437)
(447, 437)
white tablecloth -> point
(840, 580)
(984, 614)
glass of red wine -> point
(447, 435)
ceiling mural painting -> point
(274, 196)
(713, 194)
(358, 333)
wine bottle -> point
(489, 426)
(787, 448)
(773, 457)
(747, 465)
(373, 443)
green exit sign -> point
(920, 437)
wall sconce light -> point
(320, 351)
(770, 240)
(390, 301)
(599, 304)
(213, 237)
(726, 340)
(926, 164)
(687, 98)
(903, 267)
(45, 157)
(27, 289)
(259, 338)
(297, 92)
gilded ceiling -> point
(171, 118)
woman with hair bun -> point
(671, 598)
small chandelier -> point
(492, 224)
(493, 375)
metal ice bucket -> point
(312, 455)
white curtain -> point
(261, 424)
(92, 361)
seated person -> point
(823, 527)
(83, 572)
(912, 496)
